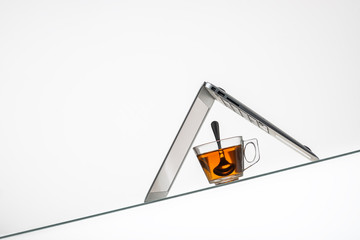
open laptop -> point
(203, 102)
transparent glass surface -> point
(333, 158)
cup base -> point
(226, 179)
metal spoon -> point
(224, 168)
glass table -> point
(340, 159)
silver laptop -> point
(203, 102)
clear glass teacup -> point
(226, 164)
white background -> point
(92, 93)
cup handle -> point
(254, 143)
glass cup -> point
(225, 160)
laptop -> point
(199, 109)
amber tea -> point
(223, 162)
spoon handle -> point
(216, 131)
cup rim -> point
(216, 141)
